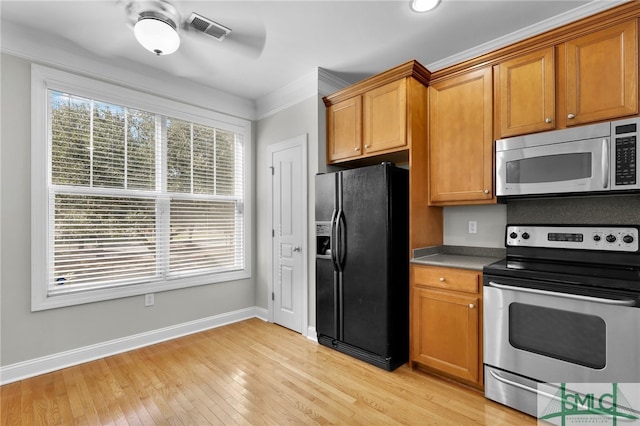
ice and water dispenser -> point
(323, 239)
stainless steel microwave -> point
(593, 158)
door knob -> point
(297, 248)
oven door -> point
(560, 337)
(533, 336)
(577, 166)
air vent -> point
(207, 26)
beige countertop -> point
(474, 258)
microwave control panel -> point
(625, 137)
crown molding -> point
(289, 95)
(64, 56)
(411, 68)
(329, 83)
(554, 22)
(324, 83)
(318, 81)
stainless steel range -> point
(562, 307)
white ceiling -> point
(275, 42)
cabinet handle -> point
(357, 149)
(471, 306)
(486, 191)
(570, 116)
(442, 279)
(547, 120)
(367, 146)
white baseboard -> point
(261, 313)
(34, 367)
(311, 334)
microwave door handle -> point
(605, 163)
(621, 302)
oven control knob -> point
(627, 239)
(611, 238)
(513, 235)
(596, 238)
(525, 235)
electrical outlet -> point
(473, 227)
(148, 299)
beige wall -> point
(25, 335)
(300, 119)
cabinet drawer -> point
(446, 278)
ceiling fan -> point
(158, 26)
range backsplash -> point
(599, 210)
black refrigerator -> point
(362, 263)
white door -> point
(289, 248)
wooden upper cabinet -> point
(385, 122)
(526, 94)
(344, 126)
(461, 139)
(379, 117)
(601, 74)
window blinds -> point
(137, 197)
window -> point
(134, 194)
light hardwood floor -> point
(250, 372)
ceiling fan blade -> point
(247, 44)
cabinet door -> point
(344, 130)
(602, 74)
(461, 139)
(526, 88)
(445, 332)
(385, 117)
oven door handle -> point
(520, 385)
(547, 395)
(622, 302)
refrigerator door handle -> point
(334, 240)
(341, 240)
(337, 273)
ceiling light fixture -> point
(157, 33)
(424, 5)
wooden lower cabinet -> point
(446, 322)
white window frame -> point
(44, 79)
